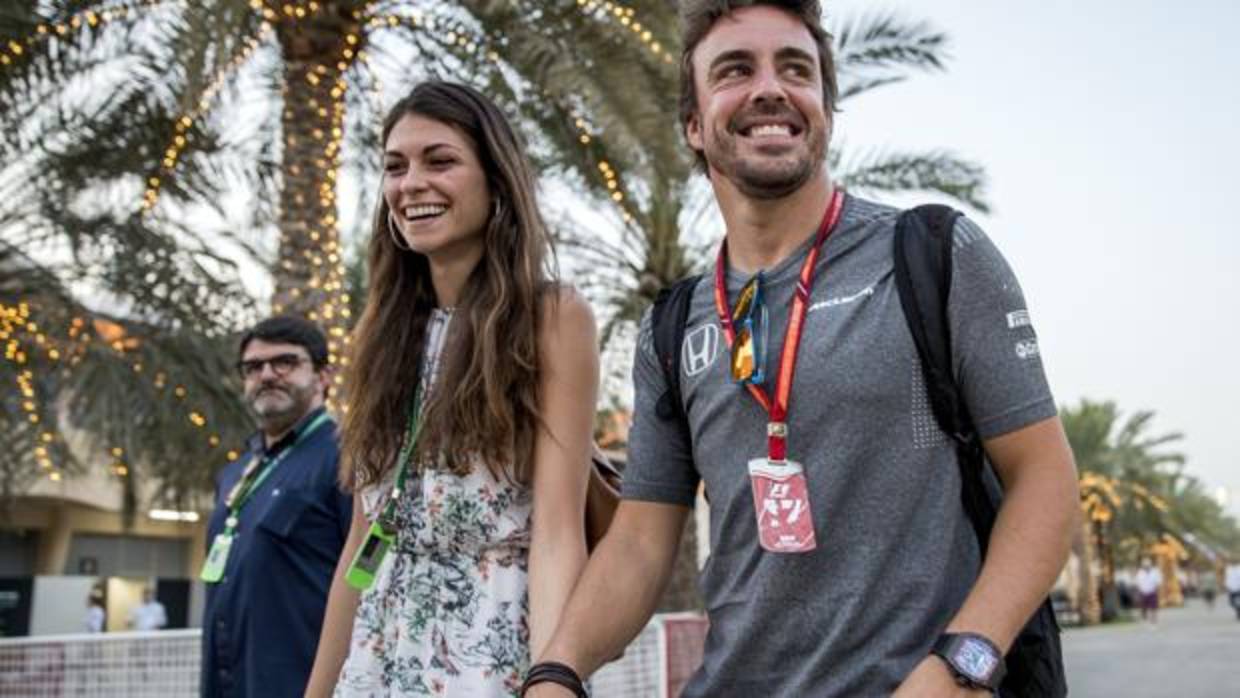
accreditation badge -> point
(217, 558)
(781, 502)
(369, 556)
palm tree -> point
(135, 130)
(1135, 493)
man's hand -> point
(932, 679)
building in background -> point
(60, 539)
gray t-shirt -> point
(895, 555)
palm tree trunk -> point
(309, 277)
(1088, 592)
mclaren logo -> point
(699, 349)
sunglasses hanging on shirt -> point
(749, 348)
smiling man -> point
(843, 563)
(279, 522)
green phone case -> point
(369, 556)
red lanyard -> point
(777, 428)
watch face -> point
(975, 659)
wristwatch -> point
(974, 660)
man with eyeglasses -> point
(279, 524)
(843, 563)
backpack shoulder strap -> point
(923, 273)
(667, 329)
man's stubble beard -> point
(299, 398)
(757, 182)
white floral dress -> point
(447, 614)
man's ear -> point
(693, 132)
(327, 374)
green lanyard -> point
(388, 515)
(240, 495)
(382, 532)
(253, 477)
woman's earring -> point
(397, 239)
(497, 209)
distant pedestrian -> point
(1232, 582)
(150, 614)
(1208, 585)
(96, 617)
(89, 655)
(1149, 581)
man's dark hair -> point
(698, 16)
(286, 329)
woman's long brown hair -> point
(484, 403)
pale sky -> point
(1109, 133)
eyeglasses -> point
(281, 365)
(749, 320)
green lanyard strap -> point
(387, 517)
(253, 477)
(382, 533)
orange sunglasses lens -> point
(745, 300)
(743, 360)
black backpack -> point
(923, 273)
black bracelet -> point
(557, 673)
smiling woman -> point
(436, 193)
(471, 391)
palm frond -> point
(872, 50)
(877, 170)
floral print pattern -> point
(447, 615)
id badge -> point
(369, 556)
(781, 502)
(217, 558)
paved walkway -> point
(1193, 652)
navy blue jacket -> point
(261, 623)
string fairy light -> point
(181, 129)
(14, 320)
(611, 179)
(627, 18)
(321, 263)
(16, 49)
(110, 335)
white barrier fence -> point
(121, 665)
(658, 663)
(165, 664)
